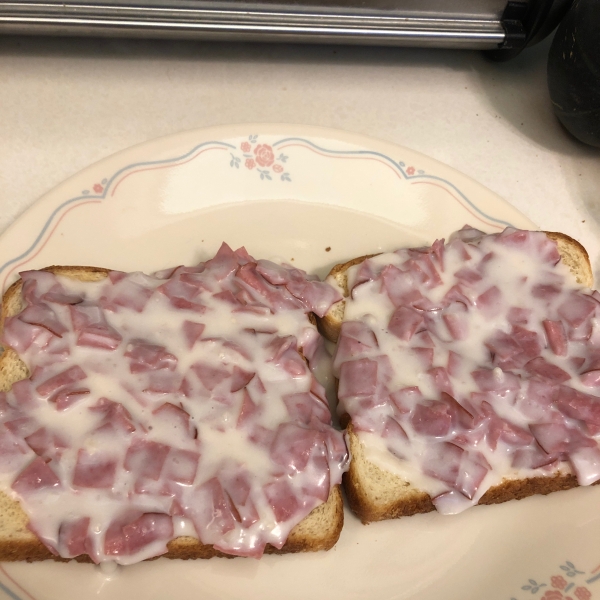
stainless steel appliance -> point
(504, 25)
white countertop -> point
(66, 103)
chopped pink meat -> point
(457, 324)
(146, 458)
(192, 332)
(131, 537)
(539, 397)
(282, 500)
(399, 285)
(358, 378)
(558, 438)
(177, 418)
(442, 461)
(223, 264)
(586, 464)
(405, 399)
(149, 357)
(115, 414)
(365, 273)
(293, 445)
(404, 323)
(240, 379)
(304, 406)
(490, 302)
(577, 405)
(43, 316)
(212, 512)
(432, 418)
(591, 378)
(66, 397)
(491, 380)
(292, 363)
(577, 308)
(424, 356)
(249, 410)
(546, 370)
(355, 338)
(239, 489)
(14, 453)
(273, 273)
(46, 444)
(94, 470)
(35, 477)
(163, 381)
(61, 380)
(502, 430)
(468, 275)
(129, 294)
(518, 316)
(181, 466)
(440, 379)
(316, 296)
(532, 457)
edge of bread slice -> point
(320, 530)
(375, 494)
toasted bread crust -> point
(330, 324)
(374, 494)
(377, 495)
(320, 530)
(12, 302)
(575, 256)
(340, 270)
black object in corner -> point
(574, 71)
(527, 23)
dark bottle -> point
(574, 71)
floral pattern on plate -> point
(559, 588)
(262, 158)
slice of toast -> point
(319, 530)
(376, 494)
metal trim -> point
(252, 24)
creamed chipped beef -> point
(470, 362)
(177, 397)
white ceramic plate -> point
(315, 197)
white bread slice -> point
(320, 530)
(375, 494)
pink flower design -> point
(555, 595)
(97, 188)
(246, 147)
(264, 155)
(583, 593)
(558, 582)
(250, 164)
(278, 168)
(410, 171)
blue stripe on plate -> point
(9, 592)
(138, 165)
(396, 166)
(103, 195)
